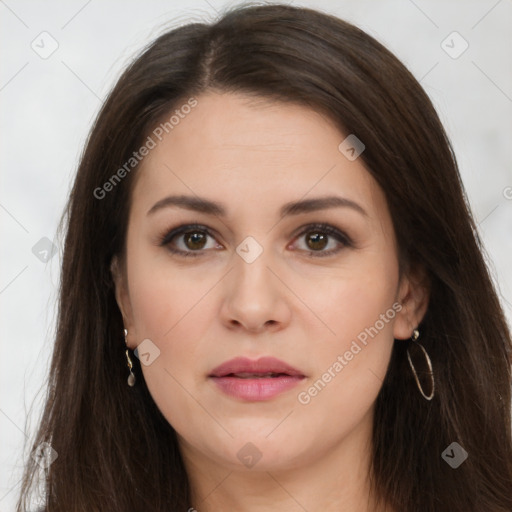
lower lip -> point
(257, 389)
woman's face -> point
(257, 278)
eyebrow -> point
(202, 205)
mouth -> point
(245, 375)
(255, 380)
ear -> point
(413, 295)
(118, 271)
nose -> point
(255, 299)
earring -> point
(131, 377)
(414, 337)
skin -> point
(253, 156)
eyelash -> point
(342, 238)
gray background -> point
(48, 105)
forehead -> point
(234, 148)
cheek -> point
(348, 375)
(174, 323)
(343, 302)
(163, 294)
(359, 308)
(173, 309)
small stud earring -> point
(131, 377)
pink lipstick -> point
(255, 380)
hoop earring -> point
(414, 337)
(131, 377)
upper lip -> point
(261, 365)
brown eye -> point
(322, 240)
(189, 240)
(194, 240)
(316, 241)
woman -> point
(273, 295)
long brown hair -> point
(116, 451)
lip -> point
(229, 377)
